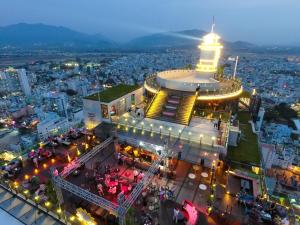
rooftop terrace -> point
(113, 93)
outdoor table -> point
(204, 174)
(192, 177)
(203, 187)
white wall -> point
(91, 113)
(92, 109)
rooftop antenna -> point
(213, 25)
(235, 67)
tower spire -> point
(213, 25)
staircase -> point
(185, 109)
(157, 105)
(173, 107)
(244, 104)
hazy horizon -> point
(256, 21)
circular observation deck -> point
(190, 80)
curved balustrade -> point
(225, 91)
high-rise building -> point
(56, 102)
(24, 82)
(9, 81)
(4, 86)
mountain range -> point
(41, 36)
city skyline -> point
(118, 21)
(135, 112)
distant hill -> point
(179, 39)
(43, 36)
(24, 36)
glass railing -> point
(235, 87)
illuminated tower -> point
(210, 52)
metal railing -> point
(123, 204)
(71, 167)
(84, 194)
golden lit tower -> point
(210, 52)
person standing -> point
(158, 172)
(135, 175)
(119, 158)
(35, 161)
(219, 123)
(175, 215)
(179, 154)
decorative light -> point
(69, 158)
(209, 209)
(16, 184)
(72, 218)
